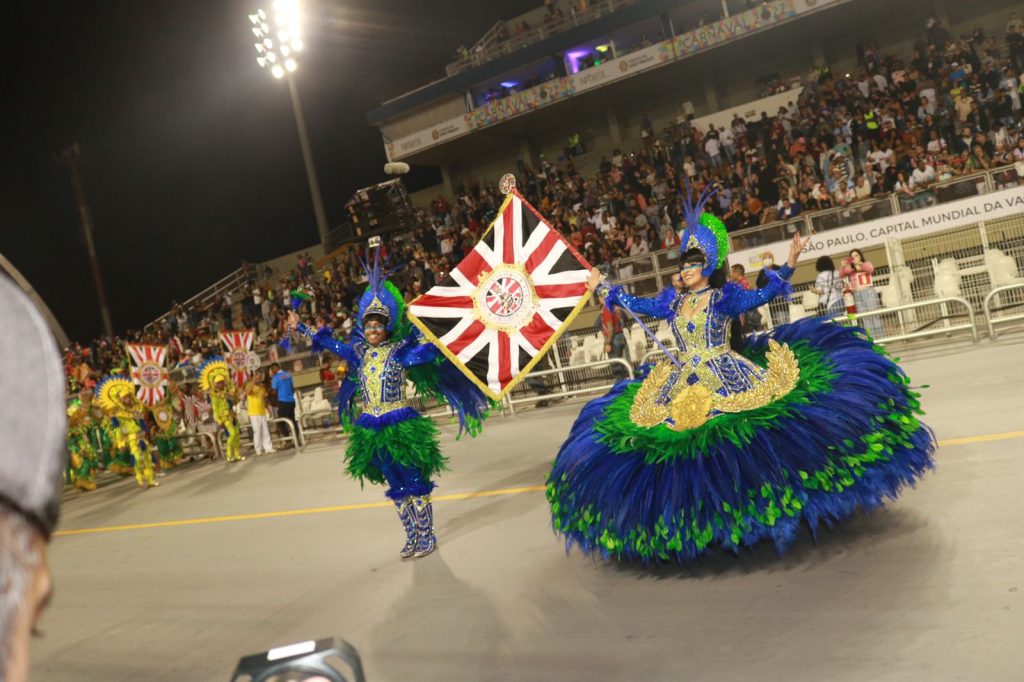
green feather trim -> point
(425, 379)
(411, 443)
(765, 505)
(711, 221)
(402, 326)
(661, 444)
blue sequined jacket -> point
(381, 371)
(702, 336)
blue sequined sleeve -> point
(736, 300)
(324, 340)
(658, 307)
(417, 350)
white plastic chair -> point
(796, 312)
(1002, 268)
(947, 284)
(594, 347)
(809, 303)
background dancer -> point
(116, 395)
(215, 379)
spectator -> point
(829, 287)
(858, 274)
(614, 338)
(282, 384)
(256, 408)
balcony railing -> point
(502, 39)
(870, 209)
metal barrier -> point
(990, 321)
(610, 362)
(927, 329)
(214, 448)
(657, 352)
(245, 433)
(305, 431)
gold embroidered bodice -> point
(711, 379)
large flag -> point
(148, 372)
(238, 354)
(508, 301)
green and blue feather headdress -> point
(382, 298)
(704, 231)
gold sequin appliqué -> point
(690, 408)
(781, 378)
(645, 410)
(692, 405)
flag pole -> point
(654, 338)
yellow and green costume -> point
(215, 379)
(167, 446)
(116, 395)
(83, 459)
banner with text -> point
(736, 26)
(838, 242)
(424, 139)
(626, 65)
(521, 102)
(557, 89)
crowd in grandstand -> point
(896, 126)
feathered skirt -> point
(399, 449)
(847, 437)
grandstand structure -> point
(948, 264)
(522, 97)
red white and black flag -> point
(148, 372)
(508, 301)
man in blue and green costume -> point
(389, 441)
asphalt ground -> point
(179, 582)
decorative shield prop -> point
(237, 345)
(500, 309)
(148, 372)
(163, 417)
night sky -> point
(191, 161)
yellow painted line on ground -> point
(293, 512)
(981, 439)
(438, 498)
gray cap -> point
(33, 449)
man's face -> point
(375, 332)
(26, 620)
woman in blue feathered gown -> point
(718, 448)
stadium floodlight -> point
(283, 29)
(278, 39)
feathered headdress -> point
(704, 231)
(382, 298)
(213, 370)
(112, 390)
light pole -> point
(278, 42)
(70, 157)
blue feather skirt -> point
(847, 437)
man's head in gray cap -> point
(32, 457)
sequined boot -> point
(423, 513)
(408, 518)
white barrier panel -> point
(989, 306)
(967, 211)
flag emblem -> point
(500, 309)
(238, 345)
(148, 372)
